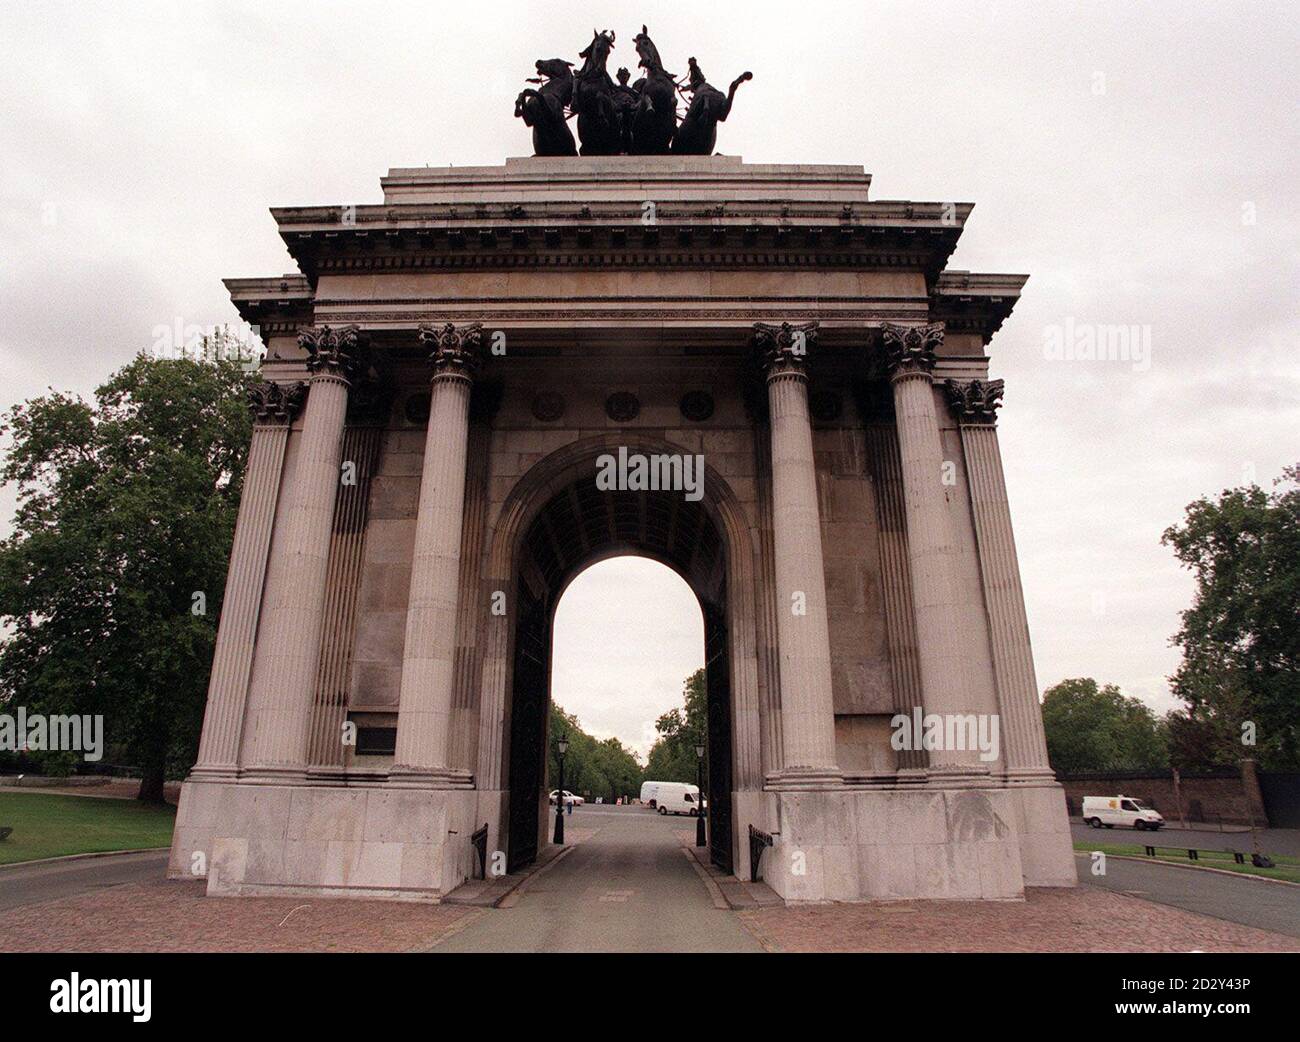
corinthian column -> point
(803, 636)
(931, 543)
(974, 405)
(274, 406)
(428, 660)
(291, 634)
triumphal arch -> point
(447, 374)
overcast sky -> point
(1139, 161)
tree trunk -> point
(151, 784)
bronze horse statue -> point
(655, 119)
(698, 132)
(543, 110)
(615, 119)
(593, 99)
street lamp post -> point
(562, 746)
(699, 784)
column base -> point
(959, 775)
(213, 772)
(274, 774)
(406, 776)
(804, 779)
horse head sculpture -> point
(655, 119)
(544, 110)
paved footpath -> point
(1268, 906)
(627, 888)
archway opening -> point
(582, 525)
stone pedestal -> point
(895, 845)
(378, 841)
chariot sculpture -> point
(615, 118)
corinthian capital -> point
(910, 349)
(271, 402)
(454, 350)
(331, 351)
(975, 402)
(784, 348)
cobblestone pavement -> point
(177, 917)
(1083, 919)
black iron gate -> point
(527, 729)
(717, 679)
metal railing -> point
(479, 842)
(758, 842)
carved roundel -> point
(622, 406)
(825, 405)
(697, 405)
(548, 405)
(416, 408)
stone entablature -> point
(802, 338)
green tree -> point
(672, 757)
(592, 767)
(1241, 636)
(112, 579)
(1096, 729)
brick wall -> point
(1230, 797)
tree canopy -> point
(1240, 674)
(672, 757)
(1094, 728)
(112, 579)
(592, 767)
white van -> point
(649, 790)
(677, 798)
(1109, 811)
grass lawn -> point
(1288, 868)
(46, 825)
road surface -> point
(1251, 902)
(39, 881)
(628, 888)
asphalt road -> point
(1268, 906)
(47, 881)
(628, 888)
(1271, 841)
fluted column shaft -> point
(1025, 745)
(428, 658)
(931, 542)
(291, 634)
(803, 635)
(232, 658)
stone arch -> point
(554, 487)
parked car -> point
(570, 799)
(677, 798)
(1109, 811)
